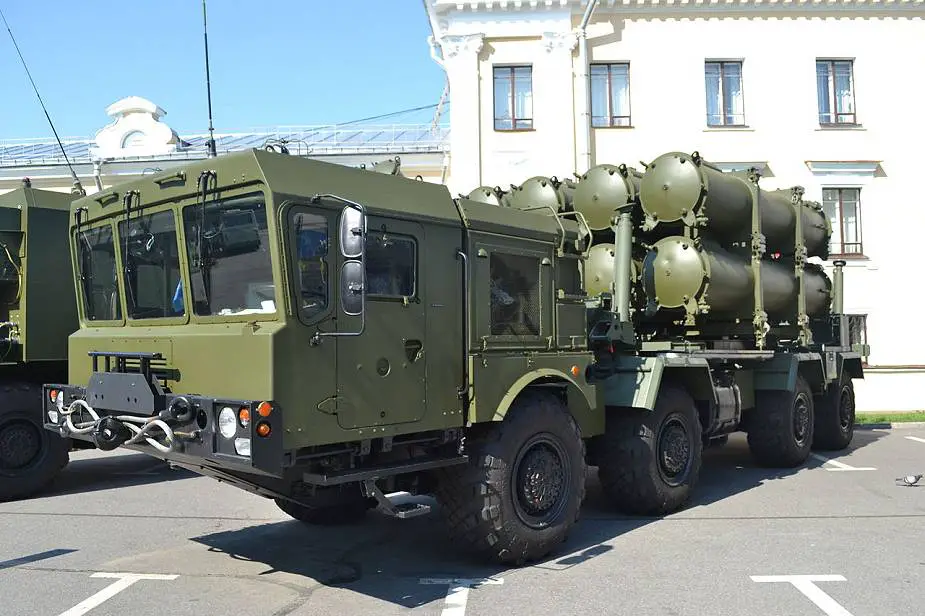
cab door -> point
(381, 372)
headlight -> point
(227, 422)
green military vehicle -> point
(39, 312)
(382, 336)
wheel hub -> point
(20, 443)
(845, 409)
(540, 482)
(800, 418)
(674, 451)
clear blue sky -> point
(272, 62)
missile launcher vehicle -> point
(324, 336)
(39, 312)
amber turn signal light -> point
(264, 409)
(263, 429)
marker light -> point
(244, 417)
(263, 429)
(53, 416)
(264, 408)
(227, 422)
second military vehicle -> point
(323, 335)
(39, 312)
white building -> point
(811, 92)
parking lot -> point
(121, 533)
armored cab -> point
(38, 314)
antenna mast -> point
(205, 35)
(78, 188)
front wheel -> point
(522, 490)
(30, 456)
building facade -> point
(811, 93)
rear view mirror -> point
(352, 288)
(352, 232)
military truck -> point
(39, 311)
(384, 336)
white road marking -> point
(841, 466)
(915, 438)
(804, 583)
(123, 581)
(458, 592)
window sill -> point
(618, 127)
(837, 127)
(851, 257)
(744, 128)
(515, 130)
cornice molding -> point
(445, 8)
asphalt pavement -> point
(121, 533)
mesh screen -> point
(515, 295)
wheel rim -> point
(541, 481)
(845, 409)
(800, 418)
(20, 445)
(674, 451)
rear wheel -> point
(649, 462)
(834, 422)
(30, 456)
(781, 430)
(521, 492)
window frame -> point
(500, 124)
(832, 97)
(840, 253)
(287, 212)
(722, 64)
(182, 264)
(415, 267)
(76, 269)
(609, 116)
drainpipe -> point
(583, 98)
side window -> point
(96, 261)
(390, 265)
(311, 240)
(515, 295)
(150, 256)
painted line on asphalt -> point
(841, 466)
(457, 595)
(123, 581)
(915, 438)
(805, 584)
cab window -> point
(312, 244)
(151, 265)
(390, 265)
(96, 264)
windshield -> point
(96, 265)
(228, 246)
(148, 244)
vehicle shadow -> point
(90, 471)
(411, 562)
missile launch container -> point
(323, 336)
(39, 312)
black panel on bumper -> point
(193, 420)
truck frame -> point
(374, 334)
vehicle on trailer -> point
(384, 336)
(39, 311)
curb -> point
(899, 425)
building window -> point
(725, 103)
(843, 207)
(610, 94)
(835, 86)
(513, 97)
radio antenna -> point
(78, 188)
(205, 35)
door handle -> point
(414, 349)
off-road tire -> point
(834, 416)
(329, 506)
(780, 431)
(487, 502)
(649, 461)
(31, 457)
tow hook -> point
(110, 433)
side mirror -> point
(353, 273)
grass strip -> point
(878, 418)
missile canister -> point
(602, 189)
(676, 274)
(599, 269)
(487, 194)
(678, 187)
(541, 192)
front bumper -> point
(179, 427)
